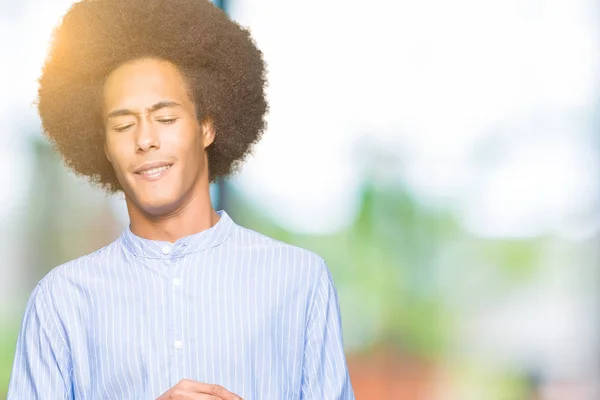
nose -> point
(147, 137)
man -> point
(157, 98)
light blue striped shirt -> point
(227, 306)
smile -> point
(153, 174)
(154, 171)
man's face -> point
(153, 139)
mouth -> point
(153, 171)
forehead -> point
(144, 82)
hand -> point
(187, 389)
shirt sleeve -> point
(41, 368)
(325, 372)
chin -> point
(159, 209)
(156, 205)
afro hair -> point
(219, 60)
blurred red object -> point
(384, 374)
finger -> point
(204, 396)
(216, 391)
(185, 394)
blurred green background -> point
(442, 157)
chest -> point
(242, 328)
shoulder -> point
(74, 273)
(297, 263)
(66, 291)
(249, 240)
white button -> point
(178, 344)
(176, 281)
(166, 249)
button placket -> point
(166, 249)
(172, 258)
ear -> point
(208, 131)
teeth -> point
(154, 170)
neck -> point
(195, 215)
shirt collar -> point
(203, 240)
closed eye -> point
(167, 120)
(123, 128)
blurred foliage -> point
(8, 340)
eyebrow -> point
(157, 106)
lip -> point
(147, 166)
(153, 177)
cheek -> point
(188, 144)
(193, 160)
